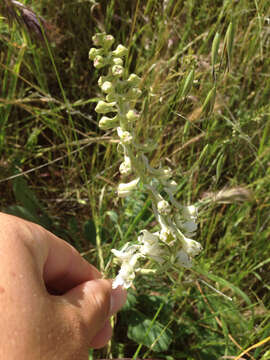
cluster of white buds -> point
(177, 223)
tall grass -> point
(60, 170)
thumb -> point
(90, 304)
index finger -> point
(64, 267)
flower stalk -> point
(177, 223)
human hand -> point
(54, 304)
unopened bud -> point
(125, 189)
(117, 61)
(103, 40)
(125, 136)
(99, 62)
(94, 52)
(108, 123)
(104, 107)
(125, 166)
(133, 79)
(107, 87)
(132, 115)
(117, 70)
(120, 51)
(134, 93)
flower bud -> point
(120, 51)
(106, 123)
(134, 93)
(125, 136)
(104, 107)
(117, 61)
(99, 62)
(117, 70)
(132, 115)
(125, 189)
(163, 207)
(133, 79)
(108, 41)
(107, 87)
(94, 52)
(103, 40)
(125, 167)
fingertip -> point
(102, 337)
(118, 299)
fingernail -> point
(118, 299)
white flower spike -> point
(176, 223)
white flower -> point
(191, 247)
(125, 166)
(125, 136)
(125, 189)
(163, 207)
(190, 212)
(126, 253)
(166, 233)
(127, 272)
(183, 259)
(150, 245)
(189, 226)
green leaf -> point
(220, 166)
(22, 212)
(151, 334)
(29, 207)
(131, 301)
(25, 196)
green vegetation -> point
(60, 170)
